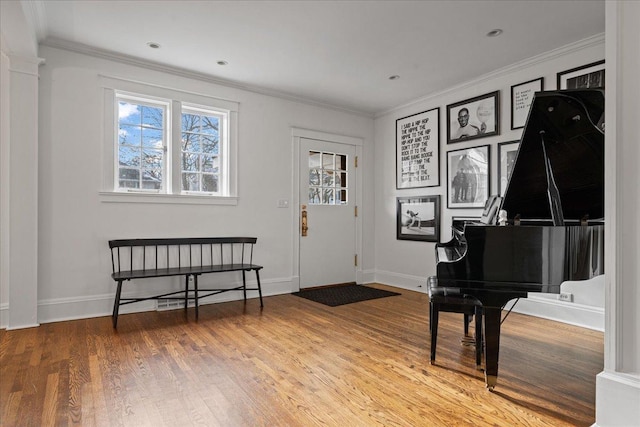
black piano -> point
(553, 229)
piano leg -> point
(492, 317)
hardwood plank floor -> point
(295, 363)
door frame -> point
(296, 135)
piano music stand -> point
(451, 300)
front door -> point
(327, 213)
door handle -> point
(303, 221)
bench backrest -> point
(155, 254)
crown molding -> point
(62, 44)
(509, 69)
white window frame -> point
(114, 87)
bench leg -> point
(195, 292)
(116, 305)
(186, 293)
(244, 285)
(259, 287)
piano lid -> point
(571, 123)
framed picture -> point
(521, 98)
(418, 150)
(507, 152)
(473, 118)
(418, 218)
(468, 177)
(587, 76)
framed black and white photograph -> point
(418, 218)
(418, 150)
(586, 77)
(468, 177)
(507, 152)
(474, 118)
(521, 98)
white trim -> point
(505, 71)
(177, 199)
(296, 135)
(581, 315)
(617, 398)
(130, 60)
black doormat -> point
(345, 294)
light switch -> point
(283, 203)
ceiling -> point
(339, 53)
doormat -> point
(334, 296)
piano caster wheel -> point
(490, 381)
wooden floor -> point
(295, 363)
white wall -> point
(75, 223)
(408, 263)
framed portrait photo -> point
(507, 152)
(468, 177)
(418, 150)
(585, 77)
(474, 118)
(521, 98)
(418, 218)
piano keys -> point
(554, 203)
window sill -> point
(172, 199)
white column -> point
(23, 192)
(618, 386)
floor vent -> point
(171, 304)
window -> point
(170, 146)
(327, 178)
(141, 144)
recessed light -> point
(394, 77)
(153, 45)
(222, 62)
(494, 33)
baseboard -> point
(584, 316)
(617, 397)
(403, 281)
(63, 309)
(560, 311)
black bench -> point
(189, 257)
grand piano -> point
(554, 225)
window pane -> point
(190, 162)
(210, 164)
(123, 183)
(152, 138)
(209, 182)
(152, 158)
(210, 144)
(327, 196)
(129, 174)
(210, 125)
(314, 196)
(314, 177)
(314, 159)
(152, 116)
(327, 161)
(341, 162)
(190, 181)
(152, 179)
(341, 197)
(129, 156)
(190, 123)
(327, 178)
(128, 113)
(128, 134)
(190, 142)
(342, 180)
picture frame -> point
(507, 153)
(521, 98)
(586, 76)
(418, 218)
(474, 118)
(468, 180)
(418, 150)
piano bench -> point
(452, 301)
